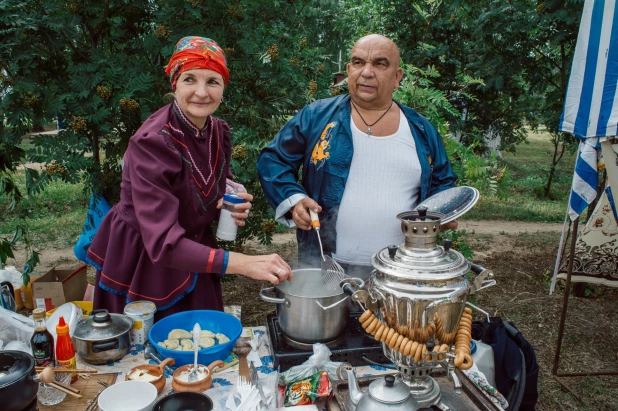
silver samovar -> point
(415, 285)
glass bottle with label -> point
(42, 341)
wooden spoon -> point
(242, 349)
(47, 376)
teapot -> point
(383, 394)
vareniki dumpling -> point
(206, 342)
(207, 333)
(170, 344)
(179, 334)
(187, 345)
(222, 338)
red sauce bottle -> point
(65, 352)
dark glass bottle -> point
(42, 341)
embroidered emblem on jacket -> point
(321, 150)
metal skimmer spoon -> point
(332, 272)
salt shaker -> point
(227, 228)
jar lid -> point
(388, 390)
(101, 325)
(38, 314)
(234, 199)
(140, 308)
(14, 365)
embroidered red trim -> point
(211, 259)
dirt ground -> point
(522, 256)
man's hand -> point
(300, 213)
(451, 225)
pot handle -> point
(105, 346)
(274, 300)
(165, 363)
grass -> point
(55, 218)
(529, 168)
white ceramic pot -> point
(128, 396)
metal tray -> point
(471, 399)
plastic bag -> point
(15, 327)
(306, 391)
(319, 361)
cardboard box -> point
(57, 287)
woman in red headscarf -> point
(156, 243)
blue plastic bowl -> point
(215, 321)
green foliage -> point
(472, 168)
(483, 172)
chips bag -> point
(307, 390)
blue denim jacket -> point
(319, 139)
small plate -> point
(453, 203)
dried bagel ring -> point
(393, 340)
(413, 348)
(379, 332)
(465, 319)
(408, 347)
(387, 336)
(398, 342)
(365, 315)
(459, 358)
(418, 353)
(467, 362)
(468, 310)
(368, 321)
(465, 324)
(463, 331)
(443, 348)
(373, 325)
(402, 345)
(431, 329)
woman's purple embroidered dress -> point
(157, 244)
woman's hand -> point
(269, 268)
(242, 210)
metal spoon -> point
(150, 353)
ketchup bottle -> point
(65, 352)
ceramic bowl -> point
(196, 386)
(156, 370)
(128, 396)
(181, 401)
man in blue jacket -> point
(364, 157)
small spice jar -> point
(227, 228)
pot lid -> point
(101, 325)
(388, 390)
(453, 203)
(14, 365)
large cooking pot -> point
(18, 382)
(307, 310)
(103, 337)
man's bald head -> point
(373, 72)
(378, 40)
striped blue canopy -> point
(591, 103)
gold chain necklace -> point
(368, 131)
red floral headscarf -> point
(193, 53)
